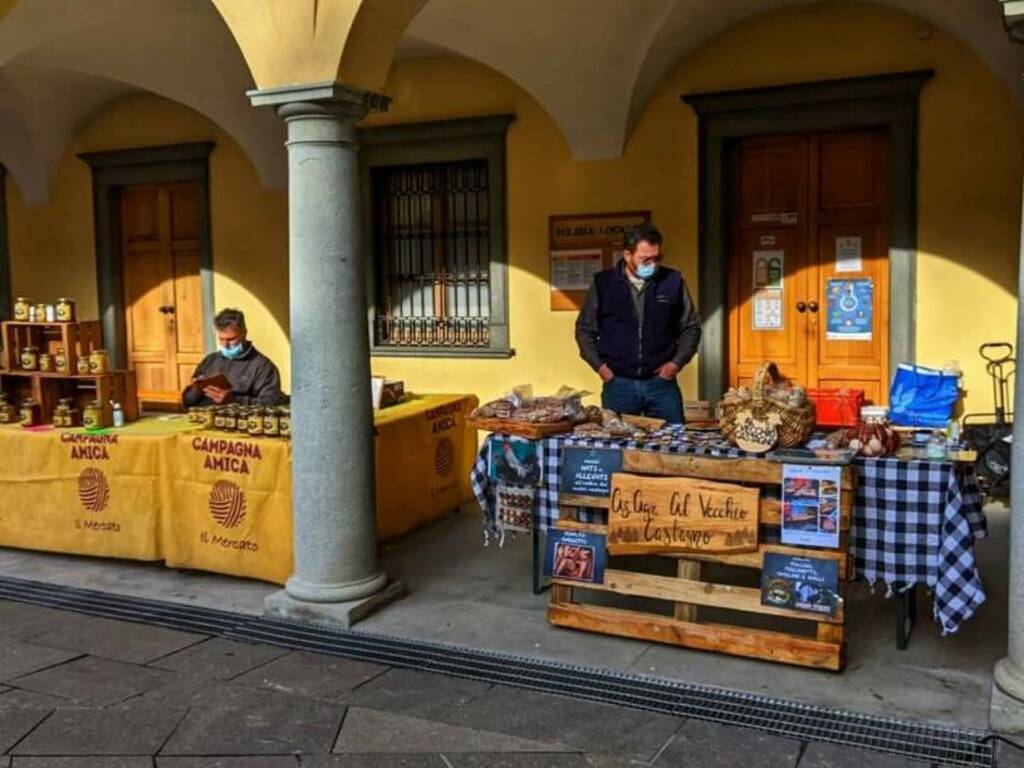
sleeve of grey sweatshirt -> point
(587, 330)
(689, 331)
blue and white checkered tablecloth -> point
(914, 522)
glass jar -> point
(284, 421)
(40, 312)
(66, 310)
(255, 422)
(271, 422)
(46, 363)
(60, 360)
(93, 416)
(30, 413)
(935, 450)
(21, 305)
(61, 416)
(82, 365)
(99, 362)
(8, 413)
(206, 417)
(29, 359)
(230, 419)
(218, 417)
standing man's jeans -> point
(653, 397)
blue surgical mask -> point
(646, 271)
(232, 353)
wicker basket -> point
(794, 423)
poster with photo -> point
(575, 556)
(511, 460)
(850, 309)
(767, 290)
(810, 505)
(800, 583)
(514, 507)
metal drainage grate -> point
(932, 743)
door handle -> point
(167, 309)
(813, 306)
(801, 306)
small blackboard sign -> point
(588, 471)
(802, 583)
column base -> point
(281, 605)
(1006, 710)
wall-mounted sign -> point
(580, 245)
(769, 275)
(658, 515)
(850, 309)
(575, 556)
(801, 583)
(588, 471)
(810, 505)
(849, 257)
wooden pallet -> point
(691, 590)
(48, 388)
(76, 339)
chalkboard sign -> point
(588, 471)
(802, 583)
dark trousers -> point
(654, 397)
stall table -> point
(914, 522)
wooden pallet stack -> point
(763, 631)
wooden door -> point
(817, 206)
(161, 250)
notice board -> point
(581, 244)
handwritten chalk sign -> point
(588, 471)
(674, 514)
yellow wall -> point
(52, 245)
(969, 191)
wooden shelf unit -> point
(76, 339)
(691, 590)
(48, 388)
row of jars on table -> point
(28, 311)
(96, 362)
(28, 413)
(255, 421)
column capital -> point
(325, 98)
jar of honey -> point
(30, 413)
(40, 312)
(230, 419)
(284, 421)
(82, 365)
(60, 360)
(206, 417)
(30, 358)
(271, 422)
(46, 363)
(218, 417)
(255, 422)
(21, 305)
(61, 417)
(66, 310)
(93, 416)
(8, 413)
(99, 362)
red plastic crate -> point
(836, 407)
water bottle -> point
(118, 415)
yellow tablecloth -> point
(161, 489)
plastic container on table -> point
(836, 407)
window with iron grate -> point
(431, 238)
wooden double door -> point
(808, 278)
(162, 257)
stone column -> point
(1007, 711)
(336, 576)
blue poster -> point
(850, 309)
(576, 556)
(800, 583)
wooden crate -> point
(528, 429)
(48, 388)
(691, 589)
(76, 339)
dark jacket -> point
(254, 379)
(637, 331)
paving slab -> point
(819, 755)
(374, 761)
(587, 726)
(15, 698)
(19, 658)
(367, 730)
(114, 731)
(20, 620)
(219, 658)
(1008, 756)
(265, 761)
(574, 760)
(93, 681)
(422, 694)
(201, 691)
(117, 640)
(15, 724)
(723, 746)
(281, 729)
(105, 761)
(313, 675)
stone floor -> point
(465, 594)
(84, 692)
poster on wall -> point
(800, 583)
(850, 309)
(810, 505)
(573, 270)
(575, 556)
(769, 268)
(849, 257)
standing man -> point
(638, 327)
(253, 378)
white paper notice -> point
(848, 255)
(768, 282)
(574, 270)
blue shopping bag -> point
(922, 397)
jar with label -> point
(40, 313)
(51, 313)
(82, 365)
(206, 417)
(93, 416)
(60, 360)
(30, 413)
(936, 448)
(271, 422)
(66, 310)
(255, 422)
(99, 362)
(30, 358)
(61, 417)
(230, 418)
(218, 418)
(8, 413)
(46, 363)
(21, 305)
(284, 421)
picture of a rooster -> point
(515, 466)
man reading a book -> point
(236, 372)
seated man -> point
(254, 379)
